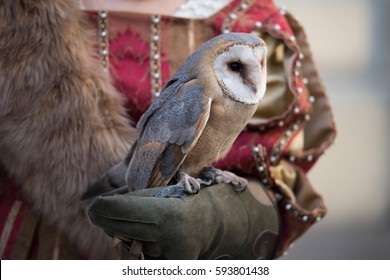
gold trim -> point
(259, 154)
(235, 14)
(104, 51)
(155, 55)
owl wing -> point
(167, 132)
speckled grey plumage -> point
(168, 124)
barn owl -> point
(198, 115)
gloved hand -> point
(215, 223)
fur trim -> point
(62, 124)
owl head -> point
(234, 62)
(240, 67)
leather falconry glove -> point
(216, 223)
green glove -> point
(215, 223)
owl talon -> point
(186, 185)
(191, 184)
(211, 175)
(227, 177)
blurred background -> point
(350, 42)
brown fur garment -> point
(62, 125)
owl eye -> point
(236, 66)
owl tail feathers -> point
(143, 169)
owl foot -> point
(191, 184)
(186, 185)
(238, 182)
(211, 175)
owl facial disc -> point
(241, 72)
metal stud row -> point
(259, 155)
(155, 56)
(235, 14)
(301, 216)
(103, 38)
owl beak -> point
(253, 88)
